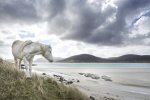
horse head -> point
(47, 53)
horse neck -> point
(43, 49)
(39, 49)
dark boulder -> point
(92, 98)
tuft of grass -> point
(15, 86)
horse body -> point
(18, 47)
(27, 50)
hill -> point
(132, 58)
(129, 58)
(83, 58)
(15, 86)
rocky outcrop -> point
(93, 76)
(62, 78)
(92, 98)
(106, 78)
(108, 98)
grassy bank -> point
(15, 86)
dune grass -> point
(15, 86)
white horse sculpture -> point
(26, 50)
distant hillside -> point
(129, 58)
(132, 58)
(83, 58)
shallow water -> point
(96, 68)
(95, 65)
(130, 70)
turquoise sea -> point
(95, 65)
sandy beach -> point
(125, 84)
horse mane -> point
(27, 42)
(43, 48)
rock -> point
(108, 98)
(92, 98)
(58, 76)
(106, 78)
(73, 79)
(69, 82)
(78, 81)
(81, 73)
(65, 80)
(43, 73)
(61, 79)
(32, 65)
(55, 75)
(87, 74)
(94, 76)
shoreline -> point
(118, 89)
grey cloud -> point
(25, 34)
(55, 7)
(87, 24)
(12, 37)
(85, 20)
(147, 14)
(115, 33)
(18, 11)
(5, 32)
(2, 43)
(77, 19)
(130, 8)
(139, 39)
(59, 25)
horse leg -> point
(30, 65)
(16, 62)
(26, 66)
(20, 64)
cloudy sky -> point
(104, 28)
